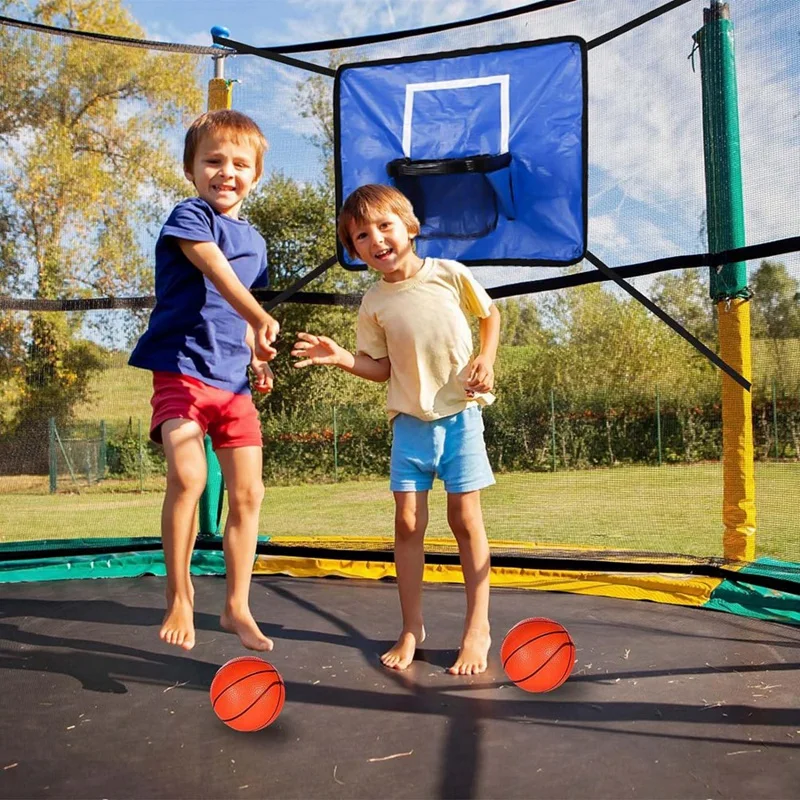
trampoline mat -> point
(664, 701)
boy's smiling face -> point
(223, 172)
(383, 243)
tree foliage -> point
(776, 302)
(297, 222)
(84, 126)
(776, 314)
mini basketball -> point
(247, 693)
(538, 654)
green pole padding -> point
(724, 202)
(211, 500)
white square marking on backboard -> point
(461, 83)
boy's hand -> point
(481, 376)
(264, 335)
(265, 379)
(316, 350)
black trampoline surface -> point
(664, 702)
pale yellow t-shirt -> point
(422, 325)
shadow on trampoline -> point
(637, 681)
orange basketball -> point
(538, 654)
(247, 693)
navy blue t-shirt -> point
(193, 329)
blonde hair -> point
(368, 201)
(233, 125)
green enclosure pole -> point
(553, 425)
(210, 507)
(52, 455)
(658, 423)
(728, 285)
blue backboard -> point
(488, 144)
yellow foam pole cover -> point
(220, 92)
(738, 504)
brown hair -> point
(367, 201)
(234, 125)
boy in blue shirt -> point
(413, 330)
(205, 329)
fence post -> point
(335, 447)
(775, 419)
(553, 425)
(101, 467)
(140, 458)
(52, 456)
(658, 423)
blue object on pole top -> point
(489, 144)
(220, 31)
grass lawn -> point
(666, 509)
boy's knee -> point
(464, 524)
(246, 497)
(408, 527)
(189, 479)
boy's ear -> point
(188, 175)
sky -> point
(646, 190)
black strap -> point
(272, 55)
(674, 324)
(635, 23)
(295, 287)
(749, 253)
(405, 167)
(358, 41)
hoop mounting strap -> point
(405, 167)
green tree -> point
(684, 296)
(613, 351)
(776, 302)
(297, 221)
(521, 323)
(84, 126)
(315, 101)
(776, 310)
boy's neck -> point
(405, 269)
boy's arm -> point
(211, 261)
(481, 376)
(323, 350)
(490, 333)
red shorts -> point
(231, 420)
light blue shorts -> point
(451, 447)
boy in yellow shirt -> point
(413, 330)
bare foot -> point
(473, 654)
(245, 627)
(402, 654)
(178, 625)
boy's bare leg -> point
(186, 479)
(241, 468)
(410, 522)
(466, 521)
